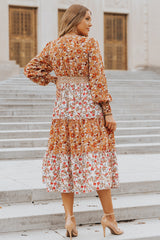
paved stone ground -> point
(26, 174)
(135, 230)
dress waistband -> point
(66, 79)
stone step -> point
(23, 118)
(38, 152)
(118, 80)
(133, 139)
(116, 106)
(51, 90)
(138, 123)
(146, 229)
(116, 77)
(27, 96)
(26, 112)
(46, 125)
(40, 194)
(137, 131)
(22, 101)
(27, 86)
(131, 72)
(44, 105)
(130, 78)
(37, 110)
(49, 110)
(34, 101)
(123, 77)
(111, 85)
(135, 116)
(126, 82)
(110, 82)
(42, 142)
(47, 118)
(25, 125)
(10, 134)
(108, 74)
(139, 148)
(24, 80)
(115, 95)
(17, 107)
(23, 142)
(116, 85)
(21, 133)
(17, 185)
(44, 214)
(142, 86)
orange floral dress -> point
(80, 155)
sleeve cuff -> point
(106, 108)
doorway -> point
(22, 34)
(115, 41)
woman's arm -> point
(38, 69)
(97, 78)
(106, 108)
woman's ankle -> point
(110, 217)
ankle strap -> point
(106, 214)
(68, 216)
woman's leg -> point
(106, 201)
(68, 200)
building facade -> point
(127, 30)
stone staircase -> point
(26, 113)
(25, 205)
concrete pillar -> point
(138, 36)
(7, 68)
(47, 22)
(97, 30)
(154, 34)
(4, 31)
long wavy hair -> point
(71, 18)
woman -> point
(81, 155)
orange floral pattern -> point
(81, 154)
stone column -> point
(7, 68)
(154, 34)
(4, 36)
(97, 30)
(47, 22)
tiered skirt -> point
(81, 154)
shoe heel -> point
(114, 229)
(70, 233)
(104, 230)
(69, 226)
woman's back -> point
(69, 55)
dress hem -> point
(113, 186)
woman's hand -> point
(110, 123)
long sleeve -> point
(40, 66)
(97, 78)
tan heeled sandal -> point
(71, 228)
(113, 228)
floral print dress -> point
(80, 155)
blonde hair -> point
(71, 18)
